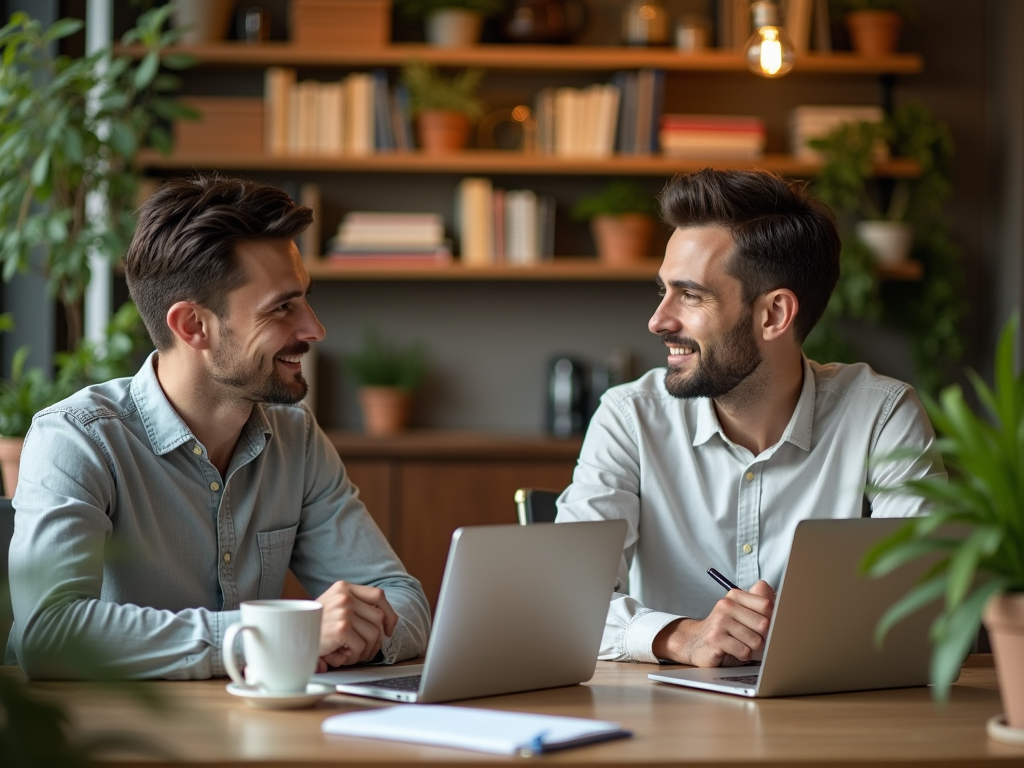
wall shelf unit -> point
(495, 162)
(533, 57)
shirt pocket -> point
(275, 554)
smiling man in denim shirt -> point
(149, 507)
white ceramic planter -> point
(208, 20)
(889, 241)
(454, 28)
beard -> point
(254, 379)
(722, 364)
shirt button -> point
(749, 476)
(747, 549)
(197, 450)
(227, 557)
(214, 486)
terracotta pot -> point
(454, 27)
(442, 130)
(10, 462)
(874, 33)
(1004, 620)
(888, 241)
(207, 20)
(623, 239)
(385, 409)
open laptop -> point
(821, 636)
(522, 607)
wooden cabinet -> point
(420, 487)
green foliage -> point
(27, 392)
(418, 9)
(617, 197)
(984, 497)
(379, 363)
(430, 90)
(70, 128)
(931, 309)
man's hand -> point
(354, 623)
(734, 631)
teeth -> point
(291, 359)
(680, 350)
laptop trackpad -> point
(352, 675)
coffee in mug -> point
(281, 640)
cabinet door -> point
(436, 497)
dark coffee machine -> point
(567, 397)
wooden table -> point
(672, 726)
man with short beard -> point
(714, 459)
(149, 508)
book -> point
(483, 730)
(359, 114)
(475, 212)
(384, 140)
(798, 24)
(277, 86)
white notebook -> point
(484, 730)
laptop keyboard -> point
(747, 679)
(407, 683)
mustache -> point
(298, 349)
(681, 341)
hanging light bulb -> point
(769, 52)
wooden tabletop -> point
(672, 726)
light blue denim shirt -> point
(128, 540)
(694, 499)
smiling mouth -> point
(681, 350)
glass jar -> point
(645, 22)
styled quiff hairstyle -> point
(784, 238)
(183, 248)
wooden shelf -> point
(535, 57)
(433, 444)
(494, 161)
(566, 269)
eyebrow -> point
(689, 285)
(281, 298)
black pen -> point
(721, 579)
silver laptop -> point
(821, 634)
(522, 607)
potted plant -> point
(980, 573)
(444, 107)
(387, 376)
(622, 221)
(450, 23)
(70, 128)
(874, 25)
(874, 212)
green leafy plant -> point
(984, 496)
(616, 198)
(418, 9)
(430, 90)
(929, 309)
(380, 363)
(70, 128)
(28, 391)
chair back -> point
(536, 505)
(6, 532)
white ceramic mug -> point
(281, 640)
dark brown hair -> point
(784, 238)
(184, 246)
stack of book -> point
(498, 226)
(728, 137)
(812, 122)
(390, 240)
(578, 122)
(358, 115)
(642, 96)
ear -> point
(778, 312)
(191, 323)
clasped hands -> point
(354, 623)
(734, 632)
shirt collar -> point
(798, 431)
(166, 429)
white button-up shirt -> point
(694, 499)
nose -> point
(661, 321)
(311, 329)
